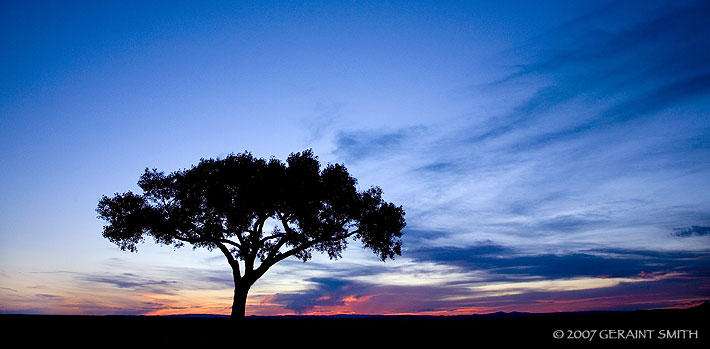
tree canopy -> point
(225, 204)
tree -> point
(225, 204)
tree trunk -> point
(241, 289)
(240, 301)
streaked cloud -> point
(132, 281)
(690, 231)
(353, 146)
(601, 147)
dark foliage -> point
(225, 203)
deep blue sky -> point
(550, 155)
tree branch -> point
(192, 241)
(230, 258)
(273, 258)
(273, 236)
(240, 238)
(283, 239)
(313, 243)
(255, 244)
(275, 249)
(284, 222)
(230, 242)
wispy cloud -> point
(354, 146)
(691, 231)
(605, 145)
(133, 282)
(343, 296)
(500, 261)
(564, 186)
(328, 292)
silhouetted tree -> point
(225, 204)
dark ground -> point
(676, 328)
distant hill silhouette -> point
(328, 331)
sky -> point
(550, 155)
